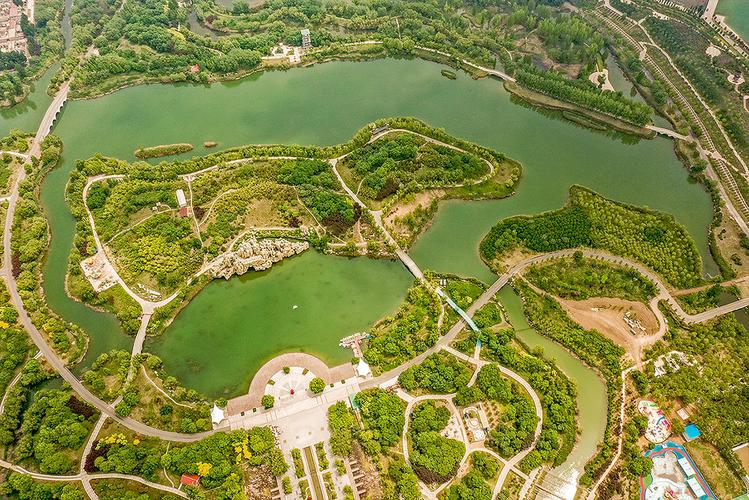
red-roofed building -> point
(189, 480)
(195, 68)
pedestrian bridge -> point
(53, 111)
(458, 310)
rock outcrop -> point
(255, 254)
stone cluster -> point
(255, 254)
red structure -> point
(189, 480)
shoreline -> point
(600, 121)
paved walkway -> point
(257, 387)
(669, 133)
(508, 464)
(493, 72)
(91, 477)
(46, 350)
(512, 462)
(725, 180)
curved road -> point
(512, 462)
(49, 354)
(92, 477)
(59, 365)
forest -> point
(399, 164)
(151, 41)
(439, 373)
(220, 460)
(409, 332)
(547, 316)
(435, 458)
(29, 245)
(556, 391)
(590, 220)
(708, 75)
(585, 95)
(383, 415)
(476, 484)
(580, 278)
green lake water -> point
(306, 303)
(232, 327)
(325, 104)
(737, 15)
(27, 115)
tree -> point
(317, 385)
(268, 401)
(383, 414)
(640, 465)
(341, 422)
(435, 457)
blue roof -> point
(692, 431)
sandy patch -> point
(423, 200)
(743, 455)
(607, 315)
(395, 216)
(606, 85)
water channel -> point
(591, 400)
(222, 337)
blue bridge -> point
(458, 310)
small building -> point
(306, 39)
(181, 200)
(362, 369)
(183, 212)
(691, 432)
(195, 68)
(683, 413)
(686, 466)
(189, 480)
(696, 488)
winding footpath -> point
(46, 350)
(512, 463)
(147, 306)
(90, 477)
(107, 410)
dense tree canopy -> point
(588, 219)
(383, 414)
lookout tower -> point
(306, 40)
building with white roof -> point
(217, 414)
(181, 200)
(363, 369)
(696, 488)
(686, 467)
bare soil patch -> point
(743, 455)
(607, 315)
(423, 199)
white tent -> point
(217, 414)
(363, 369)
